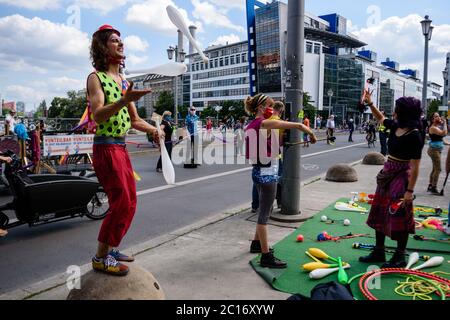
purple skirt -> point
(392, 183)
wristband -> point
(409, 190)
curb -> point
(60, 279)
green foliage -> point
(71, 107)
(41, 110)
(165, 102)
(183, 110)
(142, 112)
(308, 109)
(433, 107)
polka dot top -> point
(119, 123)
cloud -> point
(102, 6)
(33, 4)
(231, 38)
(153, 15)
(211, 15)
(231, 4)
(33, 92)
(401, 39)
(135, 61)
(135, 44)
(41, 45)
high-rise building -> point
(446, 75)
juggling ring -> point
(366, 278)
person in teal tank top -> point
(111, 99)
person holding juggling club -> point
(111, 100)
(262, 150)
(391, 213)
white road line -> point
(186, 182)
(223, 174)
(332, 150)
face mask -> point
(268, 112)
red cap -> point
(107, 27)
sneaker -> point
(255, 247)
(377, 255)
(429, 187)
(435, 191)
(158, 170)
(254, 210)
(110, 266)
(119, 256)
(398, 260)
(268, 260)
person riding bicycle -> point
(371, 131)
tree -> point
(71, 107)
(433, 107)
(41, 110)
(308, 109)
(165, 102)
(142, 112)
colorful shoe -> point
(110, 266)
(119, 256)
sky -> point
(44, 44)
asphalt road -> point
(33, 254)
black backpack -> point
(326, 291)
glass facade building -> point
(268, 58)
(346, 78)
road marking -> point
(332, 150)
(223, 174)
(190, 181)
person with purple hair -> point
(391, 213)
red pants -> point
(114, 172)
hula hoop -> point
(364, 281)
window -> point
(244, 57)
(238, 59)
(221, 62)
(216, 63)
(227, 61)
(232, 60)
(317, 48)
(309, 47)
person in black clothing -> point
(424, 127)
(167, 127)
(351, 128)
(391, 213)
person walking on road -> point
(330, 130)
(111, 100)
(167, 128)
(265, 168)
(351, 128)
(437, 132)
(391, 213)
(305, 135)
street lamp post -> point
(330, 94)
(179, 55)
(427, 30)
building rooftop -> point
(332, 39)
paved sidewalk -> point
(210, 260)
